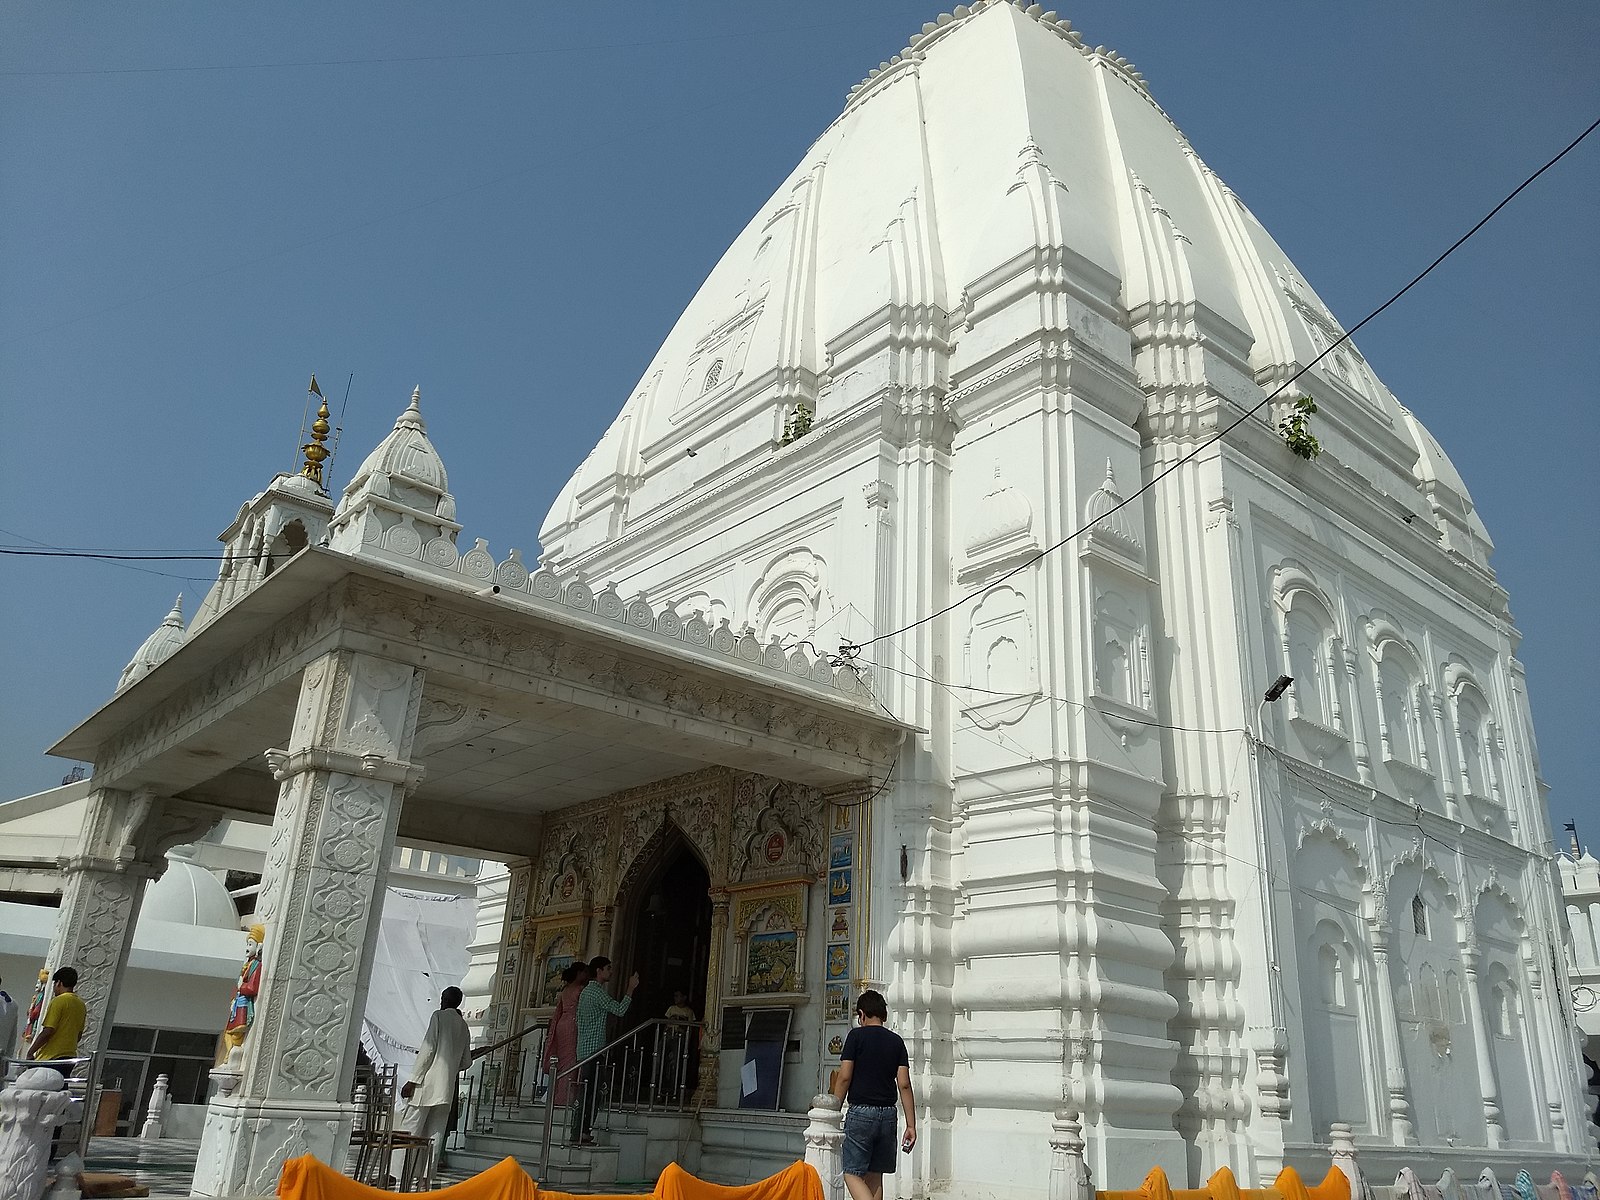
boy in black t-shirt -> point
(873, 1068)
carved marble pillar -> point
(1494, 1127)
(342, 782)
(1342, 1145)
(1401, 1129)
(1447, 776)
(1358, 727)
(125, 838)
(711, 1034)
(1271, 1047)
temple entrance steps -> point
(739, 1145)
(728, 1146)
(521, 1137)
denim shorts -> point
(870, 1139)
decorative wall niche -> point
(1402, 703)
(717, 363)
(790, 599)
(1121, 650)
(1311, 649)
(776, 835)
(1001, 660)
(769, 938)
(999, 531)
(557, 943)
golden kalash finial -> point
(316, 453)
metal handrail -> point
(497, 1082)
(541, 1023)
(675, 1073)
(87, 1101)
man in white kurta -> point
(446, 1052)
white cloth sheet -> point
(422, 949)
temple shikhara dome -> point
(997, 151)
(949, 611)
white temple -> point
(948, 400)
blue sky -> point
(509, 204)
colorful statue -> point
(243, 1013)
(36, 1010)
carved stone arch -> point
(567, 882)
(1292, 582)
(1326, 830)
(1493, 887)
(1457, 675)
(791, 596)
(1384, 636)
(1416, 855)
(777, 831)
(1313, 656)
(657, 846)
(1475, 736)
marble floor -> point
(167, 1166)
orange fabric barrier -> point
(1223, 1186)
(307, 1178)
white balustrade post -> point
(30, 1109)
(825, 1144)
(1342, 1144)
(1069, 1172)
(155, 1116)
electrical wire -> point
(539, 51)
(134, 556)
(1248, 414)
(125, 565)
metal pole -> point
(549, 1122)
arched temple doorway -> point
(666, 929)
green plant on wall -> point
(798, 424)
(1295, 429)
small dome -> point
(188, 895)
(1004, 517)
(406, 456)
(299, 487)
(156, 648)
(1107, 516)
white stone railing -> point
(1069, 1175)
(30, 1109)
(155, 1118)
(476, 570)
(825, 1143)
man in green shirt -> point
(594, 1006)
(62, 1023)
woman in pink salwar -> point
(564, 1031)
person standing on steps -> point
(594, 1006)
(446, 1052)
(873, 1069)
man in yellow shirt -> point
(62, 1024)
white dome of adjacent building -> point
(188, 895)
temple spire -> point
(316, 453)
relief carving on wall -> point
(777, 831)
(734, 822)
